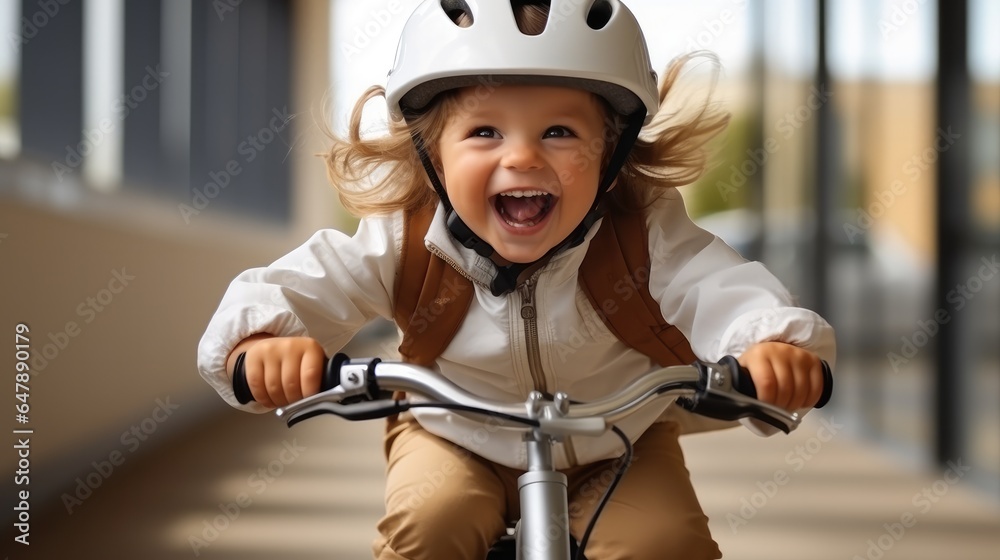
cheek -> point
(466, 186)
(468, 170)
(582, 172)
(587, 162)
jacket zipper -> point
(529, 314)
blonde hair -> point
(384, 174)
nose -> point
(521, 155)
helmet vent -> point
(458, 11)
(531, 15)
(600, 14)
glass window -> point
(980, 296)
(10, 62)
(103, 37)
(177, 99)
(882, 66)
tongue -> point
(522, 209)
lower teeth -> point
(520, 224)
(525, 223)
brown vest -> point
(430, 292)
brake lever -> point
(734, 406)
(355, 383)
(722, 396)
(355, 411)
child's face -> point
(521, 164)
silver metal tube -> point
(403, 377)
(539, 451)
(398, 376)
(394, 376)
(544, 527)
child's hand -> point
(785, 375)
(281, 370)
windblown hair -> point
(384, 174)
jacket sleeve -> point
(326, 289)
(722, 303)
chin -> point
(514, 255)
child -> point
(523, 118)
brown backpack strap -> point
(616, 268)
(431, 299)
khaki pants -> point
(443, 502)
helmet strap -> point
(425, 160)
(510, 275)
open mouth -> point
(524, 209)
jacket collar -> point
(563, 266)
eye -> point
(484, 132)
(558, 132)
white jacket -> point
(331, 286)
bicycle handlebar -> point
(360, 389)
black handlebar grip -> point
(241, 389)
(827, 386)
(744, 383)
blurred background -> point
(151, 150)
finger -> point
(763, 377)
(256, 379)
(808, 382)
(800, 386)
(312, 372)
(784, 377)
(272, 379)
(291, 373)
(816, 381)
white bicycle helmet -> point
(596, 45)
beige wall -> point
(888, 138)
(127, 348)
(107, 373)
(903, 165)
